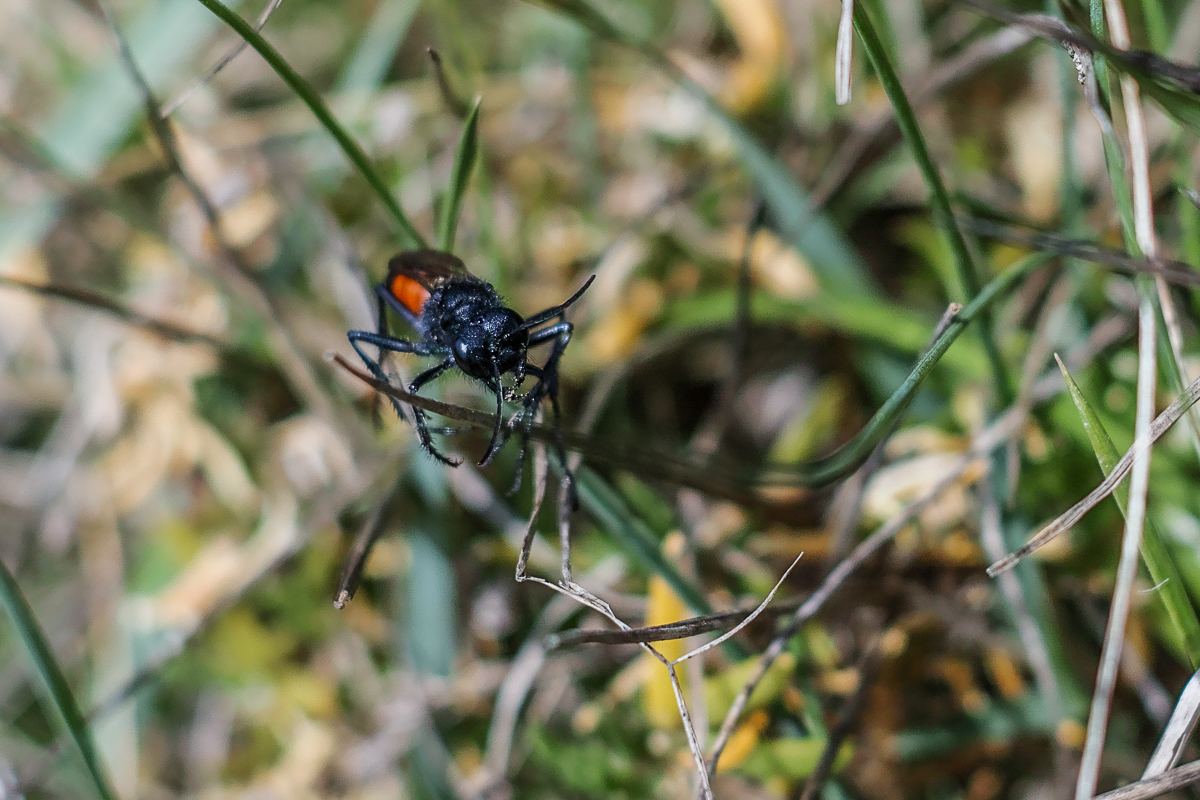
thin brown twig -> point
(75, 294)
(372, 528)
(1170, 270)
(1185, 76)
(662, 633)
(454, 101)
(868, 671)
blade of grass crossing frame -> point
(464, 160)
(52, 676)
(1170, 587)
(313, 100)
(939, 199)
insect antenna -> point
(550, 313)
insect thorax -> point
(470, 313)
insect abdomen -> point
(411, 294)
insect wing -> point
(426, 267)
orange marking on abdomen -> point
(411, 294)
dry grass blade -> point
(171, 107)
(1135, 520)
(1162, 423)
(842, 59)
(91, 299)
(749, 619)
(1156, 786)
(1177, 731)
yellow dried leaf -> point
(658, 697)
(1005, 674)
(779, 267)
(743, 740)
(758, 28)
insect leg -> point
(419, 415)
(384, 343)
(560, 334)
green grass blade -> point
(813, 234)
(313, 100)
(1158, 560)
(1114, 161)
(1155, 18)
(429, 614)
(52, 676)
(610, 511)
(847, 458)
(939, 199)
(464, 161)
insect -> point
(462, 320)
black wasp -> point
(462, 320)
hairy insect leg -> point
(423, 431)
(547, 386)
(384, 343)
(560, 334)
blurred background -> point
(183, 471)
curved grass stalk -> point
(939, 199)
(464, 160)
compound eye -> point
(462, 351)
